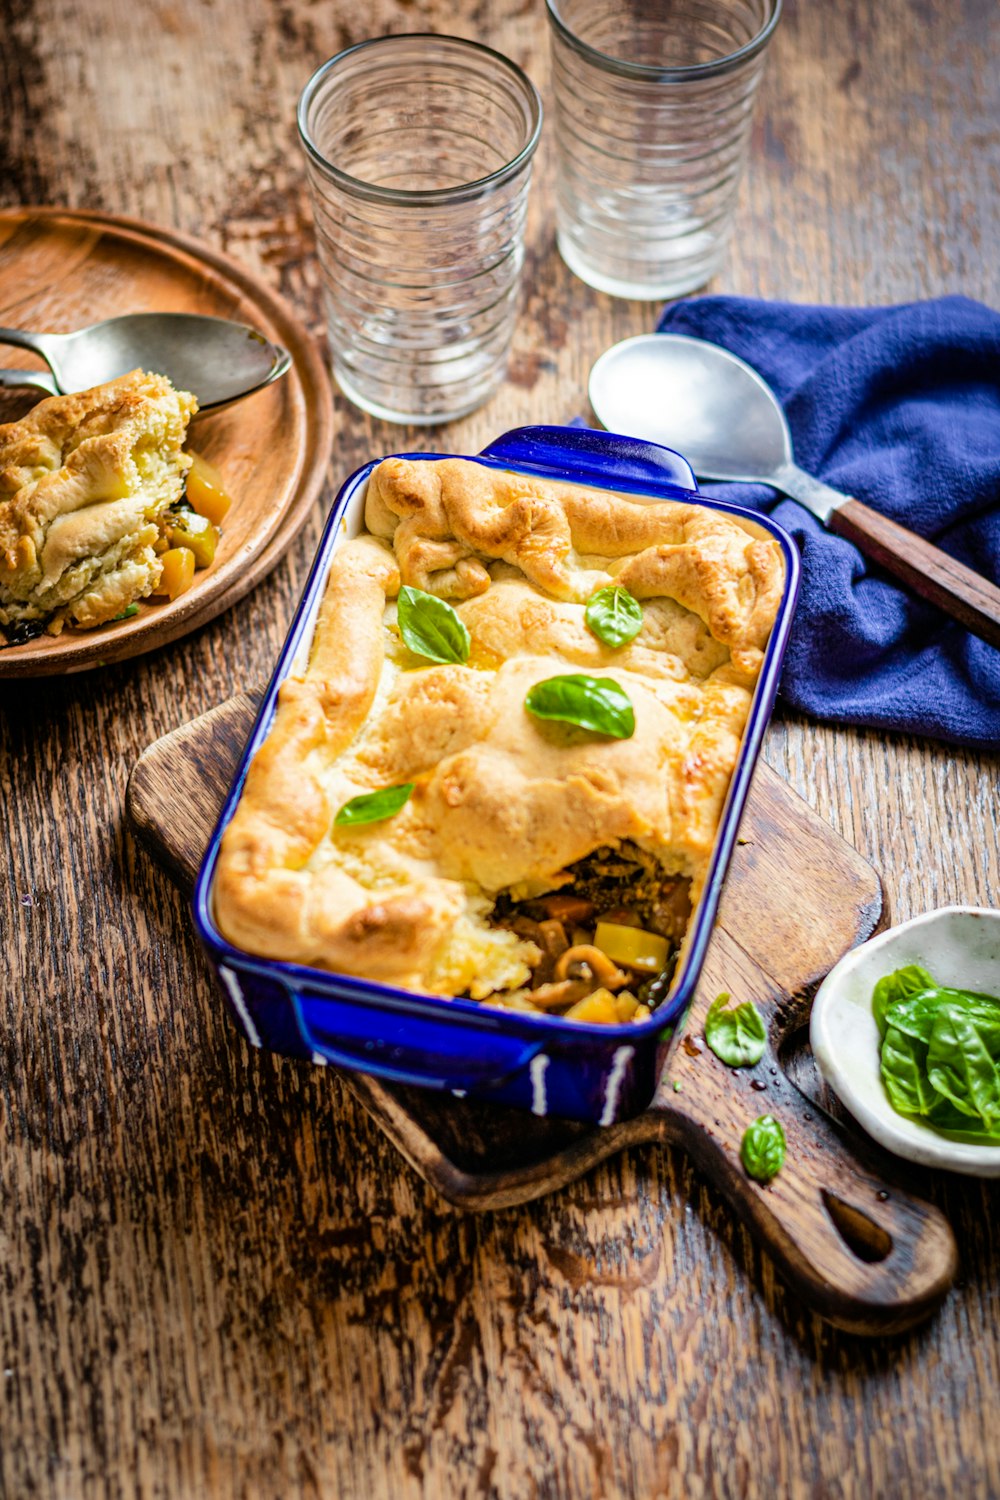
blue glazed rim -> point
(605, 461)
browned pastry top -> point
(502, 801)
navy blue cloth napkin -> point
(899, 407)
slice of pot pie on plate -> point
(84, 479)
(429, 811)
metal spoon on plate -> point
(219, 361)
(715, 409)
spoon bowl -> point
(218, 360)
(687, 394)
(712, 407)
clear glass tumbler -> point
(419, 155)
(653, 107)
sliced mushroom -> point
(591, 961)
(556, 996)
(549, 938)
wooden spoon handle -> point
(860, 1251)
(929, 572)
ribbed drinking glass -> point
(653, 109)
(419, 155)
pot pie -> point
(85, 480)
(534, 864)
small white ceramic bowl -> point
(960, 947)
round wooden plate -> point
(64, 269)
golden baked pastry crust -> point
(83, 478)
(502, 801)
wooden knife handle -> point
(860, 1250)
(929, 572)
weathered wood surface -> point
(215, 1275)
(796, 899)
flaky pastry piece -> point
(83, 479)
(448, 519)
(503, 803)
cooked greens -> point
(737, 1036)
(762, 1149)
(372, 807)
(613, 615)
(940, 1052)
(594, 703)
(430, 627)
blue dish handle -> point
(407, 1048)
(603, 457)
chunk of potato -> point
(185, 528)
(598, 1008)
(626, 1005)
(178, 572)
(633, 946)
(206, 492)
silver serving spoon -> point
(219, 361)
(716, 410)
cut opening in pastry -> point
(608, 939)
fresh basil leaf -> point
(127, 613)
(372, 807)
(961, 1063)
(738, 1036)
(944, 1116)
(594, 703)
(940, 1053)
(762, 1149)
(430, 627)
(613, 615)
(915, 1016)
(904, 1074)
(985, 1008)
(901, 985)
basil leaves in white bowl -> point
(910, 1049)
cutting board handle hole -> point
(866, 1239)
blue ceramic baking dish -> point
(536, 1062)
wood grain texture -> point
(856, 1248)
(215, 1276)
(60, 271)
(962, 593)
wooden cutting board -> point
(859, 1248)
(65, 269)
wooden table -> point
(217, 1278)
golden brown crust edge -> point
(265, 898)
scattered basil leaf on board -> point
(762, 1149)
(738, 1036)
(940, 1053)
(372, 807)
(127, 613)
(613, 615)
(594, 703)
(430, 627)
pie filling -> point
(608, 941)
